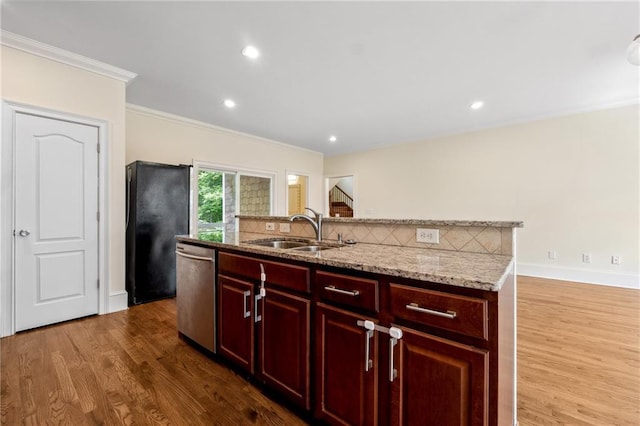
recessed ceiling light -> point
(251, 52)
(477, 105)
(332, 139)
(229, 103)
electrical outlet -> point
(553, 255)
(431, 236)
(285, 228)
(586, 257)
(615, 260)
(270, 226)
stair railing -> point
(340, 202)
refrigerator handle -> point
(126, 225)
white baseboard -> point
(118, 301)
(580, 275)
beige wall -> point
(573, 180)
(158, 137)
(44, 83)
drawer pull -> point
(332, 288)
(415, 307)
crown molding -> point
(201, 124)
(37, 48)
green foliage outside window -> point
(210, 215)
(210, 192)
(212, 235)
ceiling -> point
(370, 73)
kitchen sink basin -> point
(281, 244)
(298, 245)
(312, 248)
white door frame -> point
(7, 208)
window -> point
(223, 193)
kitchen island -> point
(462, 269)
(371, 333)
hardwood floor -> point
(578, 354)
(124, 368)
(578, 364)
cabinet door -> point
(235, 322)
(346, 383)
(439, 383)
(283, 360)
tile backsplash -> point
(476, 239)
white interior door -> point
(56, 220)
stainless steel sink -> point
(312, 248)
(299, 245)
(281, 244)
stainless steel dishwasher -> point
(196, 294)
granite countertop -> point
(420, 222)
(472, 270)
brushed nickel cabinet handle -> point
(246, 295)
(256, 317)
(415, 307)
(370, 327)
(395, 334)
(332, 288)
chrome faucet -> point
(315, 222)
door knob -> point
(24, 233)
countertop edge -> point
(425, 222)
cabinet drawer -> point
(461, 314)
(347, 290)
(279, 274)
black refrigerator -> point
(157, 210)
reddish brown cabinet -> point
(266, 333)
(461, 314)
(414, 377)
(354, 292)
(439, 382)
(235, 322)
(290, 277)
(283, 345)
(387, 351)
(346, 368)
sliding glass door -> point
(224, 193)
(216, 204)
